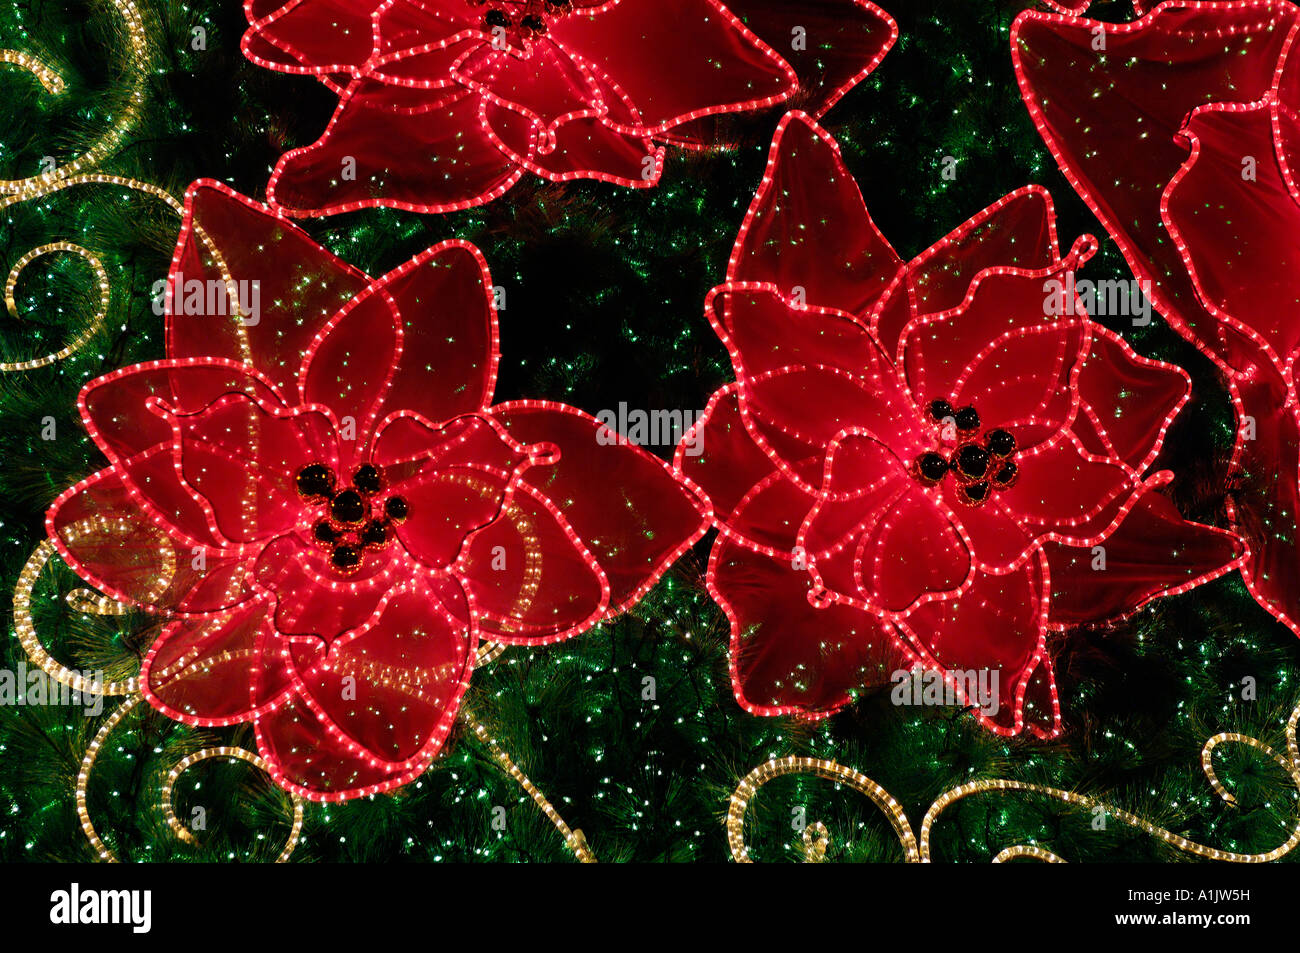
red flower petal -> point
(133, 555)
(542, 84)
(787, 656)
(1127, 401)
(531, 579)
(1062, 493)
(622, 502)
(1154, 552)
(628, 42)
(582, 147)
(127, 415)
(806, 374)
(806, 203)
(875, 538)
(309, 36)
(446, 162)
(310, 596)
(1153, 73)
(1065, 491)
(200, 670)
(444, 299)
(999, 352)
(1238, 234)
(1016, 231)
(240, 458)
(999, 625)
(299, 284)
(350, 364)
(753, 502)
(1266, 499)
(832, 44)
(455, 479)
(374, 710)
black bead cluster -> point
(978, 467)
(533, 23)
(349, 525)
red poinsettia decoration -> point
(929, 462)
(444, 104)
(316, 494)
(1186, 153)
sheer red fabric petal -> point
(806, 203)
(1126, 401)
(349, 367)
(627, 41)
(753, 502)
(1065, 491)
(200, 670)
(998, 625)
(831, 44)
(804, 375)
(542, 84)
(371, 711)
(1154, 552)
(294, 282)
(1266, 495)
(126, 552)
(875, 538)
(310, 597)
(448, 365)
(308, 36)
(1001, 354)
(530, 576)
(130, 414)
(623, 504)
(406, 28)
(1234, 220)
(1153, 73)
(788, 657)
(1017, 231)
(454, 479)
(239, 458)
(446, 161)
(580, 148)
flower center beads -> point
(526, 18)
(979, 466)
(354, 518)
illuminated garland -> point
(234, 754)
(136, 67)
(105, 852)
(573, 839)
(92, 326)
(815, 838)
